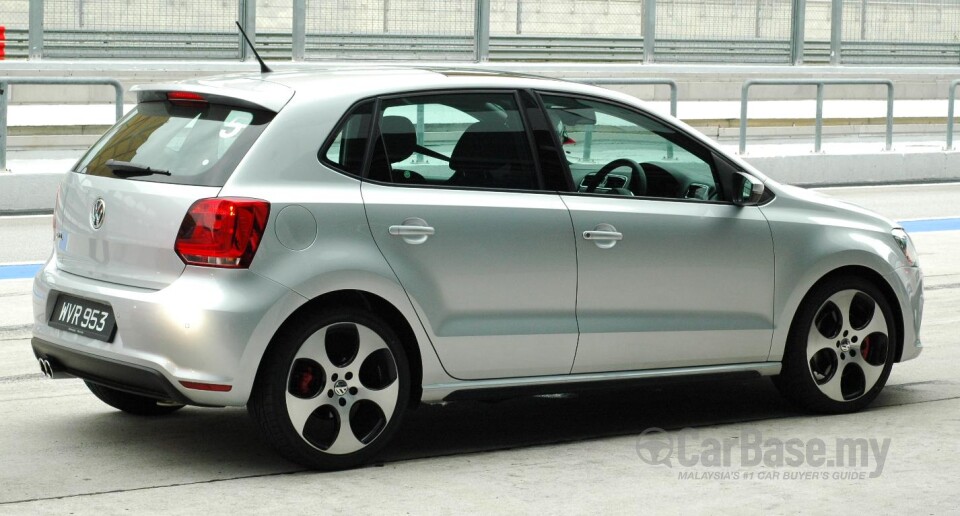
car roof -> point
(273, 90)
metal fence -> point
(396, 29)
(724, 31)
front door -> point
(670, 274)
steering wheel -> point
(638, 180)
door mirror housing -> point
(747, 190)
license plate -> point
(84, 317)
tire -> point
(344, 365)
(132, 403)
(840, 349)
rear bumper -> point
(210, 326)
(110, 373)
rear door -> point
(116, 220)
(485, 252)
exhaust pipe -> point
(45, 367)
(51, 369)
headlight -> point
(906, 246)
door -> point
(670, 274)
(455, 204)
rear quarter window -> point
(199, 144)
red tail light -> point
(222, 232)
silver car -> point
(330, 248)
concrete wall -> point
(874, 168)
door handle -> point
(413, 230)
(403, 230)
(603, 235)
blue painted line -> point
(921, 226)
(22, 271)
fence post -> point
(299, 29)
(4, 94)
(481, 31)
(836, 30)
(649, 15)
(35, 38)
(385, 22)
(797, 17)
(952, 100)
(863, 20)
(248, 19)
(519, 16)
(818, 128)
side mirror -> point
(747, 190)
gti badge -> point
(98, 213)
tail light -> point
(222, 232)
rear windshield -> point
(199, 144)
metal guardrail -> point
(5, 99)
(819, 83)
(5, 84)
(952, 96)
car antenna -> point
(263, 66)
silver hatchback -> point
(330, 248)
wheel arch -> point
(372, 303)
(866, 274)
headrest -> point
(485, 143)
(399, 137)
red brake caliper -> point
(306, 376)
(865, 348)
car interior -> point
(478, 140)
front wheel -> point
(332, 390)
(841, 347)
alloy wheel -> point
(847, 345)
(342, 388)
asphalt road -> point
(62, 451)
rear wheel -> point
(132, 403)
(333, 390)
(841, 347)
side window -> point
(458, 140)
(611, 150)
(346, 150)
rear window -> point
(198, 144)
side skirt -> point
(501, 388)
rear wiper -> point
(127, 169)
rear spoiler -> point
(240, 92)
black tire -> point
(132, 403)
(808, 376)
(285, 377)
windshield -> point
(199, 144)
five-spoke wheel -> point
(333, 391)
(840, 349)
